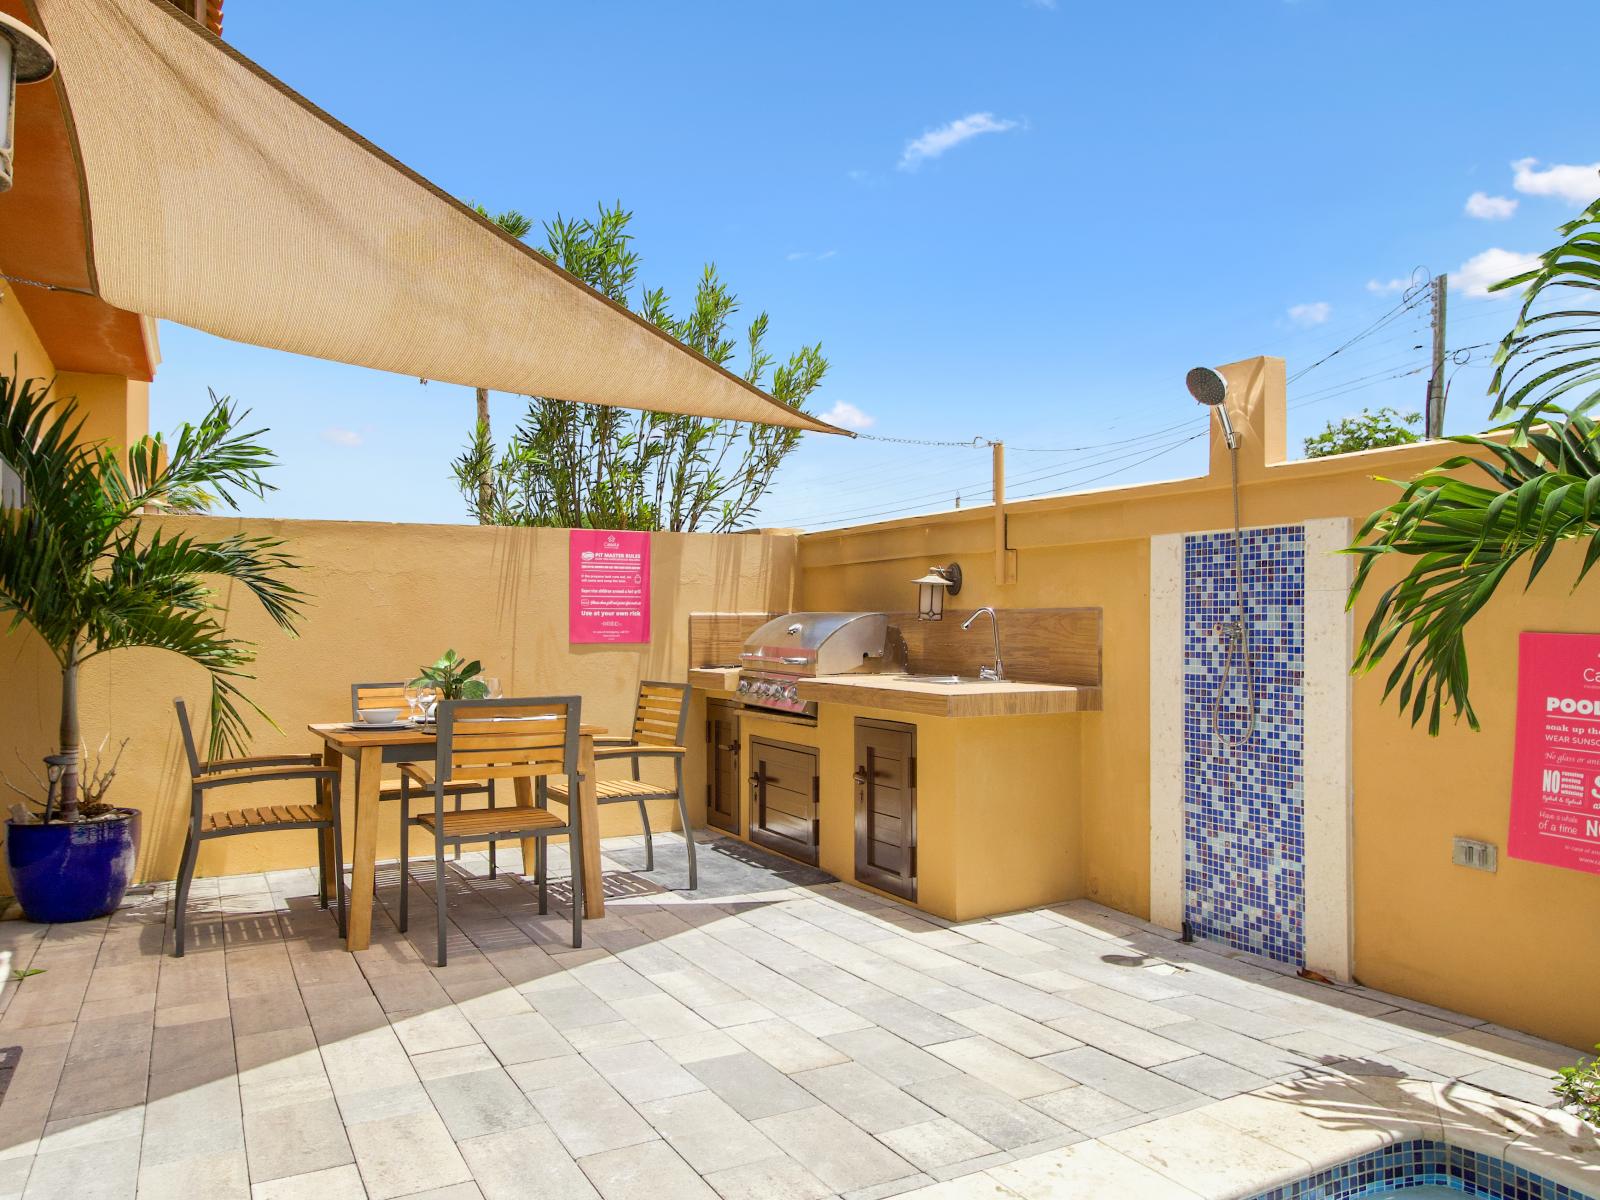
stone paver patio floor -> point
(772, 1036)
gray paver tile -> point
(333, 1183)
(863, 1097)
(478, 1102)
(834, 1150)
(648, 1171)
(411, 1153)
(895, 1059)
(525, 1164)
(1215, 1078)
(1012, 1073)
(294, 1138)
(751, 1086)
(1027, 1037)
(986, 1111)
(589, 1117)
(1121, 1080)
(706, 1132)
(778, 1178)
(940, 1142)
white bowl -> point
(380, 716)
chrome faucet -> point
(998, 671)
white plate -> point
(386, 727)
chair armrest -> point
(265, 760)
(612, 739)
(635, 750)
(267, 774)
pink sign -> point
(608, 586)
(1555, 783)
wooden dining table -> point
(370, 749)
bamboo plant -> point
(81, 565)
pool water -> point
(1439, 1169)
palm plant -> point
(1542, 460)
(79, 565)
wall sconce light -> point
(933, 587)
(25, 57)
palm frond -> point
(82, 563)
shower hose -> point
(1237, 635)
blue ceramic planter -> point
(66, 873)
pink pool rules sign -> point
(1555, 786)
(608, 586)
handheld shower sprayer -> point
(1211, 389)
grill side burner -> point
(801, 645)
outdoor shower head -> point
(1211, 389)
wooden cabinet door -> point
(784, 798)
(886, 806)
(722, 765)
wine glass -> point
(492, 683)
(413, 694)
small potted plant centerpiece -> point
(451, 677)
(81, 566)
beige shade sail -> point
(219, 198)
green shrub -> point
(1579, 1089)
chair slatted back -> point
(510, 738)
(378, 695)
(195, 763)
(661, 714)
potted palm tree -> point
(81, 565)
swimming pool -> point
(1418, 1168)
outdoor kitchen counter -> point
(997, 698)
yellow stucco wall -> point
(385, 598)
(18, 339)
(1516, 946)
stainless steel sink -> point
(941, 678)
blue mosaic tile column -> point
(1244, 809)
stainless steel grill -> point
(800, 645)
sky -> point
(1020, 220)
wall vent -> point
(1480, 856)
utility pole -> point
(1433, 420)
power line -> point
(1120, 470)
(1386, 319)
(915, 503)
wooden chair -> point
(323, 815)
(482, 740)
(393, 695)
(658, 727)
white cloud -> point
(1577, 182)
(341, 437)
(1379, 287)
(936, 141)
(817, 255)
(847, 416)
(1307, 315)
(1473, 277)
(1490, 208)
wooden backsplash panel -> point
(1040, 645)
(715, 639)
